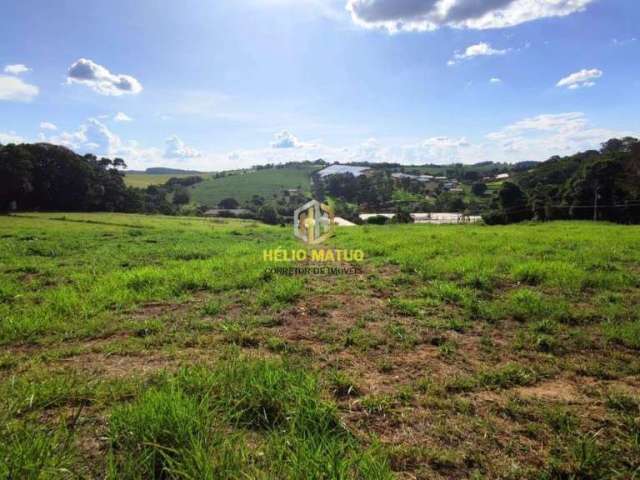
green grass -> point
(196, 425)
(246, 183)
(143, 180)
(160, 347)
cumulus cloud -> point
(445, 142)
(545, 135)
(477, 50)
(583, 78)
(13, 89)
(285, 139)
(16, 69)
(101, 80)
(122, 117)
(424, 15)
(48, 126)
(176, 148)
(438, 150)
(92, 136)
(10, 137)
(495, 80)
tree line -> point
(49, 177)
(599, 184)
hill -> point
(244, 184)
(136, 346)
(596, 184)
(143, 180)
(170, 171)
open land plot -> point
(160, 347)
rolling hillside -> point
(246, 183)
(143, 179)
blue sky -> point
(216, 85)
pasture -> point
(143, 180)
(244, 184)
(139, 347)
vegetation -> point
(163, 347)
(243, 185)
(144, 180)
(596, 185)
(49, 177)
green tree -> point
(514, 203)
(181, 196)
(268, 215)
(478, 188)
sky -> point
(214, 85)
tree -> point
(403, 215)
(513, 203)
(540, 203)
(228, 203)
(268, 215)
(51, 177)
(181, 196)
(15, 176)
(478, 188)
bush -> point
(377, 220)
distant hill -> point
(244, 184)
(144, 179)
(170, 171)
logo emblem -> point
(313, 222)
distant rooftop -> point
(342, 169)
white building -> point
(342, 169)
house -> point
(343, 169)
(502, 176)
(440, 218)
(450, 186)
(400, 175)
(343, 222)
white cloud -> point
(97, 134)
(583, 78)
(545, 135)
(48, 126)
(495, 80)
(445, 142)
(285, 139)
(438, 150)
(101, 80)
(425, 15)
(623, 42)
(122, 117)
(93, 136)
(16, 69)
(10, 137)
(15, 90)
(176, 148)
(478, 50)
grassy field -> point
(143, 180)
(242, 186)
(136, 347)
